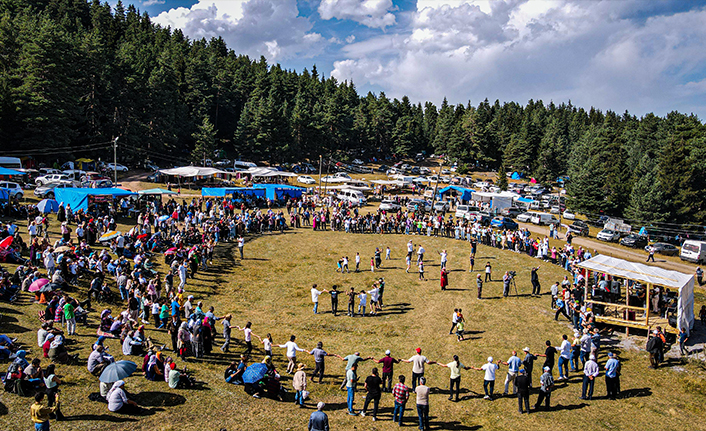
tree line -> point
(74, 74)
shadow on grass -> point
(3, 409)
(105, 418)
(451, 425)
(158, 399)
(560, 407)
(637, 392)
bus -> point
(10, 162)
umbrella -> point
(163, 218)
(117, 371)
(254, 373)
(38, 284)
(48, 206)
(49, 287)
(170, 251)
(109, 235)
(63, 249)
(143, 236)
(6, 242)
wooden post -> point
(648, 288)
(585, 285)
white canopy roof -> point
(192, 171)
(389, 182)
(266, 172)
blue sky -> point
(640, 55)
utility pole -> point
(438, 179)
(115, 160)
(321, 160)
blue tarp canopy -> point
(524, 200)
(78, 198)
(6, 171)
(4, 195)
(516, 176)
(281, 191)
(220, 192)
(464, 194)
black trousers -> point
(455, 382)
(542, 397)
(319, 371)
(386, 382)
(535, 288)
(612, 385)
(523, 399)
(376, 402)
(334, 306)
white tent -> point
(266, 172)
(653, 276)
(398, 183)
(497, 201)
(192, 171)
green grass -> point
(271, 289)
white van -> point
(544, 219)
(693, 251)
(356, 197)
(11, 162)
(239, 164)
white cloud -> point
(153, 2)
(370, 13)
(255, 27)
(593, 53)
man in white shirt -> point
(292, 350)
(444, 257)
(315, 293)
(420, 255)
(564, 358)
(454, 321)
(489, 379)
(241, 245)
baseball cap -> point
(490, 359)
(419, 350)
(387, 352)
(547, 368)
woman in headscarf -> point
(197, 340)
(155, 367)
(118, 402)
(106, 320)
(47, 345)
(58, 352)
(207, 336)
(183, 339)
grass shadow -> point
(158, 399)
(104, 418)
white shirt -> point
(454, 318)
(490, 370)
(292, 348)
(443, 256)
(565, 349)
(315, 294)
(421, 250)
(241, 242)
(248, 334)
(410, 247)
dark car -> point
(663, 248)
(579, 228)
(383, 168)
(504, 223)
(600, 221)
(634, 241)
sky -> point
(641, 56)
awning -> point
(78, 197)
(220, 192)
(6, 171)
(193, 171)
(156, 191)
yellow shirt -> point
(40, 413)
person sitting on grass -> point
(118, 401)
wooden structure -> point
(627, 301)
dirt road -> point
(615, 250)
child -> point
(421, 271)
(372, 264)
(473, 262)
(459, 330)
(363, 302)
(340, 265)
(266, 344)
(387, 253)
(409, 263)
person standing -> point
(651, 254)
(479, 283)
(528, 363)
(388, 363)
(410, 249)
(523, 391)
(226, 332)
(488, 272)
(315, 293)
(590, 372)
(363, 302)
(490, 368)
(654, 347)
(372, 385)
(546, 384)
(421, 271)
(319, 355)
(241, 246)
(683, 337)
(472, 262)
(454, 321)
(401, 394)
(357, 262)
(334, 299)
(247, 335)
(444, 279)
(318, 421)
(40, 414)
(549, 354)
(534, 278)
(506, 284)
(299, 385)
(444, 258)
(351, 380)
(422, 392)
(350, 361)
(513, 368)
(420, 255)
(564, 357)
(418, 361)
(351, 302)
(69, 316)
(455, 367)
(612, 376)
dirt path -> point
(617, 251)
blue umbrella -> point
(118, 371)
(48, 206)
(163, 218)
(254, 373)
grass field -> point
(270, 288)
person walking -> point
(334, 299)
(528, 363)
(523, 391)
(479, 283)
(564, 357)
(315, 293)
(488, 272)
(351, 380)
(319, 355)
(388, 363)
(318, 421)
(292, 350)
(651, 253)
(299, 385)
(513, 368)
(372, 384)
(546, 384)
(454, 321)
(455, 367)
(422, 392)
(612, 376)
(472, 262)
(418, 361)
(444, 258)
(683, 337)
(350, 361)
(401, 394)
(590, 372)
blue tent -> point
(516, 176)
(220, 192)
(6, 171)
(78, 198)
(281, 191)
(4, 195)
(464, 194)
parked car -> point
(608, 235)
(543, 219)
(569, 215)
(441, 206)
(461, 211)
(504, 223)
(511, 212)
(524, 217)
(383, 168)
(51, 178)
(13, 189)
(389, 205)
(634, 240)
(120, 168)
(46, 191)
(663, 248)
(481, 217)
(420, 204)
(305, 179)
(358, 162)
(578, 228)
(599, 222)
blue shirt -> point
(611, 368)
(175, 308)
(318, 421)
(514, 364)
